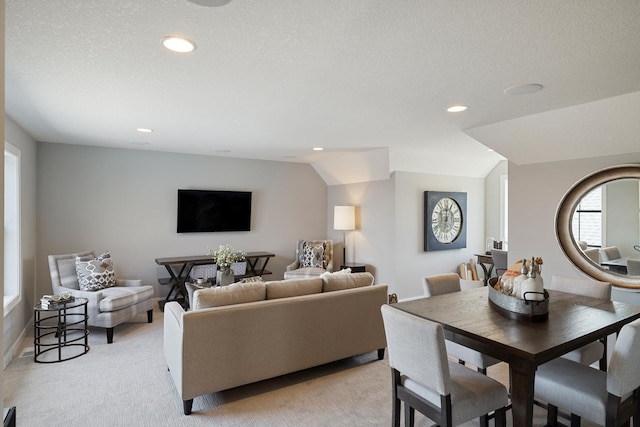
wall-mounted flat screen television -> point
(202, 211)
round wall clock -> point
(444, 220)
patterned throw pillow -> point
(95, 273)
(313, 255)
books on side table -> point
(51, 301)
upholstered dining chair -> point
(107, 307)
(313, 257)
(443, 284)
(609, 253)
(605, 398)
(597, 350)
(499, 261)
(593, 254)
(633, 267)
(424, 378)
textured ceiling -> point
(272, 79)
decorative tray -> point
(518, 309)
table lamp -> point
(344, 218)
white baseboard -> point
(17, 345)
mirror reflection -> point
(617, 225)
(606, 226)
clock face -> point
(446, 220)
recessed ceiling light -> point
(144, 130)
(318, 148)
(457, 108)
(210, 3)
(178, 44)
(523, 89)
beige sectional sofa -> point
(249, 332)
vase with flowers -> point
(224, 257)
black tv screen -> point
(209, 211)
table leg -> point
(253, 269)
(522, 384)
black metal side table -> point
(60, 328)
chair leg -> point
(484, 421)
(381, 353)
(109, 335)
(188, 404)
(150, 316)
(575, 420)
(500, 417)
(395, 401)
(409, 415)
(552, 415)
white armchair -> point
(107, 307)
(313, 257)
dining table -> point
(617, 265)
(573, 321)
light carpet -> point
(127, 384)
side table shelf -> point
(62, 329)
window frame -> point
(13, 287)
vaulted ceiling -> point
(273, 79)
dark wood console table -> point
(484, 260)
(179, 269)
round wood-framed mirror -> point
(564, 229)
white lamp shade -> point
(344, 217)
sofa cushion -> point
(236, 293)
(293, 288)
(95, 273)
(337, 282)
(313, 255)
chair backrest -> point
(63, 270)
(440, 284)
(579, 286)
(499, 261)
(593, 254)
(633, 267)
(417, 349)
(623, 375)
(328, 251)
(609, 253)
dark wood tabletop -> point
(573, 321)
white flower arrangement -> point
(225, 256)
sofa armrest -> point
(128, 282)
(293, 266)
(173, 342)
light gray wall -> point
(412, 263)
(124, 201)
(391, 237)
(534, 194)
(372, 243)
(17, 320)
(622, 216)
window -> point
(587, 219)
(12, 264)
(504, 210)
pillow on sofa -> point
(338, 282)
(95, 273)
(236, 293)
(313, 255)
(293, 287)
